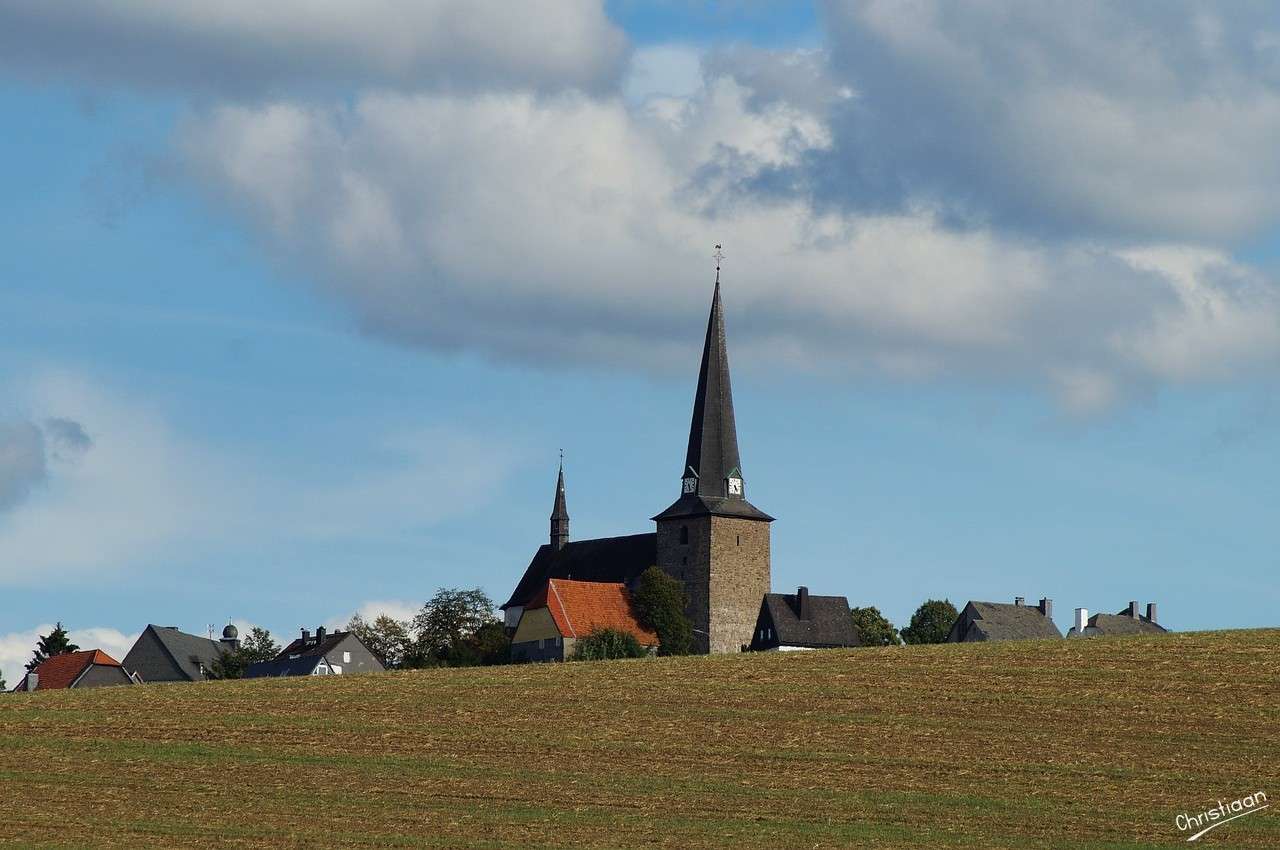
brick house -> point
(565, 611)
(90, 668)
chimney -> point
(1082, 620)
(33, 681)
(320, 635)
(306, 636)
(802, 602)
(1046, 607)
(1151, 611)
(1019, 600)
(1133, 609)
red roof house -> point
(90, 668)
(564, 611)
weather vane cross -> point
(719, 255)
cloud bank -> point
(993, 190)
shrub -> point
(607, 644)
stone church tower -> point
(712, 538)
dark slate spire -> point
(713, 436)
(559, 513)
(712, 462)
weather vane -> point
(719, 255)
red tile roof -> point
(61, 670)
(580, 607)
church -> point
(711, 538)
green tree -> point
(258, 646)
(873, 628)
(54, 643)
(607, 644)
(931, 622)
(386, 637)
(659, 602)
(447, 626)
(489, 645)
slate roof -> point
(1123, 624)
(301, 666)
(560, 510)
(713, 435)
(1005, 621)
(607, 559)
(187, 651)
(829, 623)
(313, 647)
(580, 607)
(61, 671)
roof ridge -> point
(551, 582)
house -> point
(164, 654)
(792, 621)
(1002, 621)
(711, 538)
(1127, 622)
(565, 611)
(322, 654)
(90, 668)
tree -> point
(931, 622)
(607, 644)
(54, 643)
(446, 627)
(386, 637)
(873, 628)
(258, 646)
(2, 684)
(659, 602)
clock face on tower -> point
(735, 486)
(690, 485)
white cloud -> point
(16, 647)
(146, 493)
(245, 47)
(578, 228)
(398, 609)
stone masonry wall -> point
(739, 580)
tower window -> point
(739, 539)
(684, 560)
(684, 535)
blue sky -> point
(326, 324)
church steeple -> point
(712, 459)
(559, 513)
(711, 481)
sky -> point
(300, 303)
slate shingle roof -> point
(607, 559)
(313, 647)
(61, 671)
(1123, 624)
(713, 434)
(301, 666)
(829, 623)
(187, 651)
(580, 607)
(1002, 621)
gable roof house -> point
(563, 611)
(322, 654)
(90, 668)
(1127, 622)
(796, 621)
(164, 654)
(1002, 621)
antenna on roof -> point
(719, 255)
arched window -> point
(684, 535)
